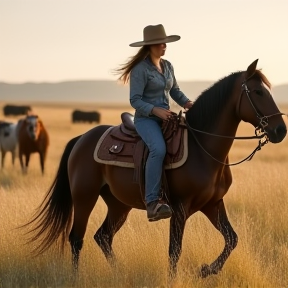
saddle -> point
(122, 146)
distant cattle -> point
(8, 140)
(85, 116)
(32, 138)
(16, 110)
(4, 124)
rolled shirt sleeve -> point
(138, 81)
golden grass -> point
(256, 205)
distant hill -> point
(280, 93)
(97, 91)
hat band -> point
(155, 39)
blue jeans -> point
(150, 131)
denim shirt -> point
(149, 88)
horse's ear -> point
(251, 69)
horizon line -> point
(99, 79)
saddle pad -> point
(102, 154)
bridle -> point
(263, 119)
(259, 130)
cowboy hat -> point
(155, 34)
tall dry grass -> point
(256, 205)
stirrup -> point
(160, 211)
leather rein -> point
(259, 130)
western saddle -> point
(122, 146)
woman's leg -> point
(151, 133)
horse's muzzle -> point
(278, 134)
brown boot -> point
(157, 210)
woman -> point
(152, 80)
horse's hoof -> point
(205, 271)
(112, 261)
(172, 274)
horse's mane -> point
(211, 101)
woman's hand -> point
(162, 113)
(188, 105)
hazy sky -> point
(56, 40)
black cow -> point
(16, 110)
(85, 116)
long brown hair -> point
(125, 69)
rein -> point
(263, 140)
(259, 130)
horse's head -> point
(3, 124)
(33, 126)
(5, 128)
(256, 105)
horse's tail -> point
(53, 218)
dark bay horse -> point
(32, 138)
(198, 185)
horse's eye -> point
(259, 92)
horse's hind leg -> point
(84, 200)
(116, 216)
(218, 217)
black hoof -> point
(205, 271)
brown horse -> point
(198, 185)
(32, 138)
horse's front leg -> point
(2, 158)
(218, 217)
(177, 224)
(42, 159)
(21, 155)
(27, 160)
(13, 157)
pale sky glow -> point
(58, 40)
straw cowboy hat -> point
(155, 34)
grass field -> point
(256, 205)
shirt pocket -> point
(155, 83)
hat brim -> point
(168, 39)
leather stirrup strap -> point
(165, 187)
(142, 173)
